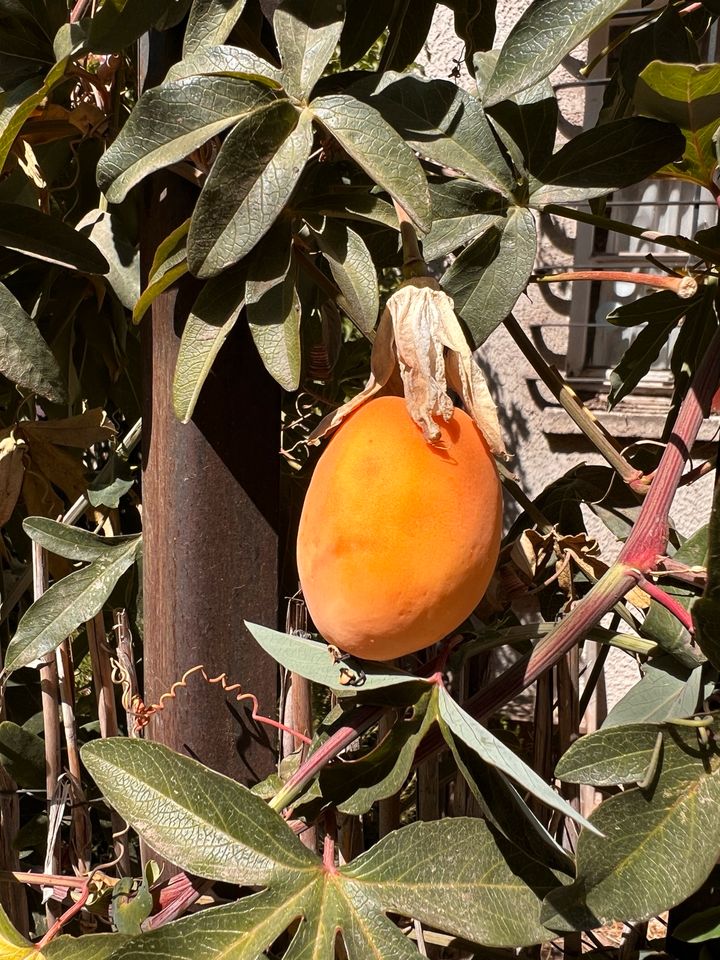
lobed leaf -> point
(199, 820)
(169, 122)
(66, 605)
(25, 358)
(640, 356)
(659, 843)
(250, 182)
(211, 319)
(378, 149)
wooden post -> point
(210, 512)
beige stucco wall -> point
(541, 456)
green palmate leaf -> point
(687, 95)
(307, 34)
(446, 124)
(210, 22)
(312, 660)
(456, 874)
(354, 272)
(545, 32)
(22, 754)
(48, 238)
(639, 357)
(456, 724)
(94, 946)
(662, 306)
(614, 756)
(364, 22)
(706, 610)
(169, 264)
(66, 605)
(462, 210)
(378, 149)
(164, 796)
(663, 626)
(17, 104)
(25, 357)
(251, 181)
(72, 542)
(171, 121)
(228, 61)
(660, 843)
(667, 691)
(211, 319)
(610, 156)
(273, 305)
(490, 274)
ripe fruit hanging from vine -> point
(398, 537)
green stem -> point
(628, 230)
(576, 409)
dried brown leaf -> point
(81, 431)
(12, 471)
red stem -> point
(66, 917)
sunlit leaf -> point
(228, 61)
(251, 181)
(378, 149)
(666, 691)
(210, 22)
(354, 272)
(307, 33)
(17, 104)
(489, 275)
(169, 122)
(613, 756)
(66, 605)
(546, 31)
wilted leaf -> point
(210, 22)
(487, 278)
(660, 843)
(169, 122)
(13, 452)
(307, 34)
(80, 431)
(546, 31)
(378, 149)
(250, 182)
(354, 272)
(273, 305)
(25, 357)
(211, 319)
(687, 95)
(66, 605)
(48, 238)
